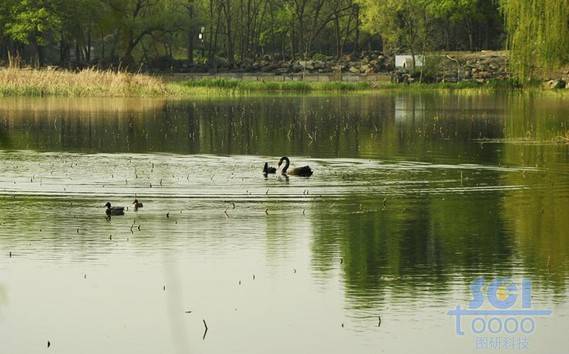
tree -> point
(31, 22)
(402, 23)
(538, 35)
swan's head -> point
(266, 168)
(108, 205)
(135, 202)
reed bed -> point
(84, 83)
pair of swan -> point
(304, 171)
(111, 210)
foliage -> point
(418, 25)
(546, 23)
(132, 33)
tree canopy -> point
(538, 35)
(135, 32)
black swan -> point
(304, 171)
(268, 169)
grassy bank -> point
(235, 86)
(270, 86)
(93, 83)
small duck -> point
(304, 171)
(111, 210)
(137, 205)
(268, 169)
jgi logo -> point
(508, 310)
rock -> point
(296, 67)
(556, 84)
(354, 70)
(366, 69)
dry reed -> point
(88, 82)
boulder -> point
(366, 69)
(556, 84)
(354, 70)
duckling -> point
(268, 169)
(137, 205)
(304, 171)
(111, 210)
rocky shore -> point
(480, 67)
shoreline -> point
(92, 83)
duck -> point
(137, 205)
(111, 210)
(268, 169)
(304, 171)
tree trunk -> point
(338, 37)
(89, 43)
(191, 34)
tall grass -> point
(89, 82)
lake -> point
(415, 198)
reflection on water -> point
(413, 197)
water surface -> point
(413, 197)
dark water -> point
(413, 197)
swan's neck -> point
(287, 164)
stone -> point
(366, 69)
(556, 84)
(354, 70)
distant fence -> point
(347, 77)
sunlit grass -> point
(84, 83)
(270, 85)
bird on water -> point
(111, 210)
(304, 171)
(137, 205)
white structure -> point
(406, 61)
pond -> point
(414, 198)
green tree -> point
(401, 23)
(31, 22)
(538, 35)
